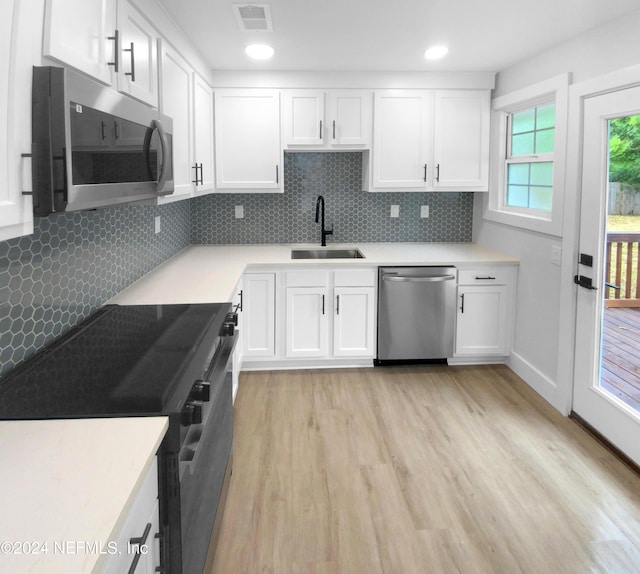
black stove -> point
(122, 360)
(149, 360)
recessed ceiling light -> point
(436, 52)
(259, 51)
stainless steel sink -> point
(326, 254)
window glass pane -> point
(518, 196)
(540, 198)
(542, 173)
(523, 121)
(518, 173)
(546, 116)
(522, 144)
(544, 141)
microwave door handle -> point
(157, 124)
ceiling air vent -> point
(253, 17)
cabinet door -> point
(353, 322)
(349, 118)
(138, 60)
(258, 315)
(177, 103)
(16, 31)
(247, 140)
(461, 144)
(401, 140)
(81, 34)
(307, 322)
(482, 320)
(203, 136)
(303, 120)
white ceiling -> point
(391, 35)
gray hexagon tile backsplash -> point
(355, 215)
(74, 263)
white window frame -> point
(554, 90)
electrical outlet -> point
(157, 224)
(239, 211)
(424, 211)
(395, 211)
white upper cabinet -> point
(303, 118)
(106, 39)
(402, 142)
(83, 35)
(16, 210)
(461, 140)
(176, 102)
(430, 140)
(138, 60)
(314, 119)
(203, 159)
(247, 140)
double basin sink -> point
(326, 254)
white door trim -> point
(618, 80)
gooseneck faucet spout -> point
(320, 213)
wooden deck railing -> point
(622, 267)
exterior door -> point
(595, 400)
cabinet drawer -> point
(307, 278)
(486, 276)
(354, 278)
(143, 511)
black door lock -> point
(585, 282)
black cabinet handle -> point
(487, 278)
(323, 304)
(334, 129)
(132, 73)
(138, 542)
(462, 303)
(277, 175)
(425, 172)
(320, 129)
(337, 304)
(115, 39)
(438, 172)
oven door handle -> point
(162, 179)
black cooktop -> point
(122, 359)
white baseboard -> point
(537, 380)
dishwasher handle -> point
(418, 279)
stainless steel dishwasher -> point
(416, 313)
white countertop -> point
(68, 483)
(209, 273)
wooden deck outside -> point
(620, 373)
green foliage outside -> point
(624, 150)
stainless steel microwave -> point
(94, 147)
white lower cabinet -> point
(354, 321)
(307, 322)
(318, 316)
(330, 313)
(138, 542)
(485, 311)
(258, 315)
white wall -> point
(541, 354)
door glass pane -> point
(620, 359)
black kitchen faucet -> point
(325, 232)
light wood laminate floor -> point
(421, 469)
